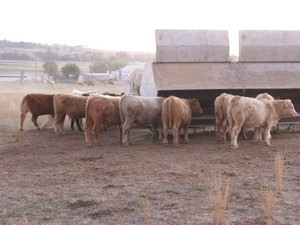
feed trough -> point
(207, 71)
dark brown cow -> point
(101, 111)
(37, 105)
(177, 112)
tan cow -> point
(221, 105)
(251, 113)
(176, 113)
(66, 104)
(258, 131)
(37, 105)
(221, 120)
(101, 111)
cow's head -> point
(289, 109)
(195, 106)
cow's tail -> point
(229, 117)
(24, 106)
(87, 109)
(121, 111)
(218, 111)
(170, 103)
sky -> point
(129, 25)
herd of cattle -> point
(235, 113)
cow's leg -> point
(34, 120)
(72, 124)
(78, 124)
(95, 131)
(267, 135)
(126, 129)
(58, 123)
(155, 133)
(176, 134)
(61, 124)
(186, 137)
(257, 134)
(165, 134)
(234, 135)
(222, 130)
(119, 133)
(244, 134)
(87, 128)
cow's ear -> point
(287, 103)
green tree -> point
(99, 63)
(50, 67)
(119, 60)
(71, 68)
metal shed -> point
(209, 78)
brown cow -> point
(141, 111)
(37, 105)
(178, 112)
(72, 105)
(250, 113)
(101, 111)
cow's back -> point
(104, 109)
(39, 104)
(143, 110)
(72, 105)
(175, 110)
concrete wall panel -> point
(269, 46)
(192, 46)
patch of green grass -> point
(257, 187)
(137, 203)
(200, 188)
(241, 210)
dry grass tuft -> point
(147, 211)
(25, 220)
(219, 194)
(278, 172)
(17, 135)
(268, 205)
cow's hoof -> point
(21, 129)
(89, 145)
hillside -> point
(30, 57)
(40, 52)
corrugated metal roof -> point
(193, 76)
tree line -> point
(31, 51)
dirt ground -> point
(56, 179)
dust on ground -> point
(55, 179)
